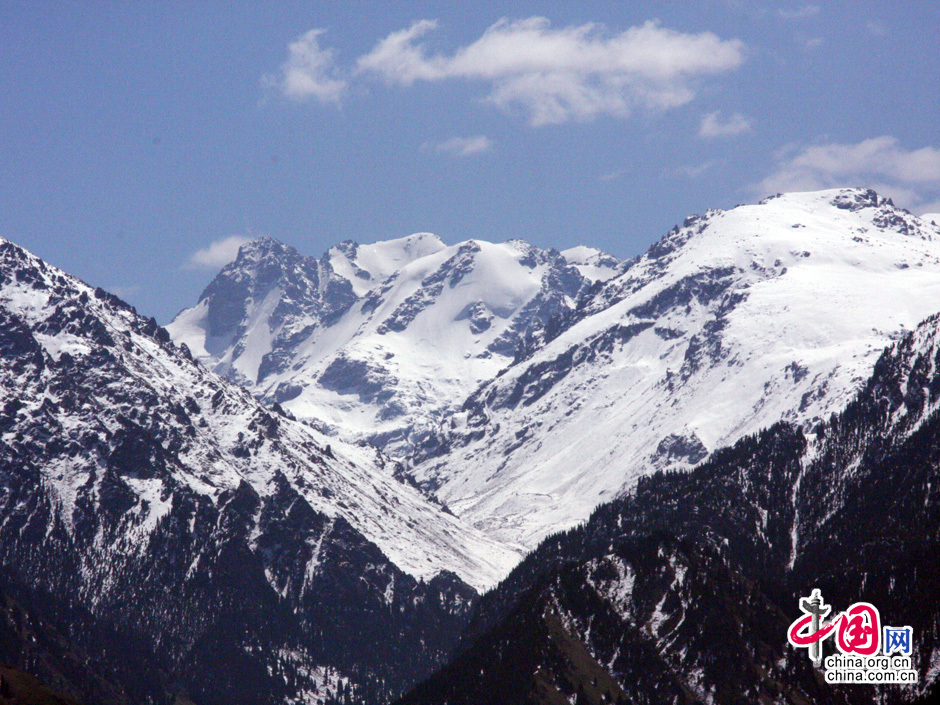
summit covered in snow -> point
(381, 342)
(730, 323)
(85, 378)
(524, 386)
(264, 560)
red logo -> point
(859, 628)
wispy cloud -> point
(798, 13)
(551, 75)
(912, 177)
(713, 126)
(217, 254)
(400, 60)
(460, 146)
(309, 71)
(558, 75)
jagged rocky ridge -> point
(682, 591)
(163, 534)
(381, 342)
(317, 638)
(732, 322)
(525, 387)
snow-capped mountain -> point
(380, 342)
(261, 557)
(166, 537)
(683, 590)
(732, 322)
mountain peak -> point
(379, 341)
(262, 250)
(366, 264)
(266, 553)
(63, 336)
(837, 219)
(733, 321)
(419, 243)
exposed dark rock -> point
(683, 591)
(122, 583)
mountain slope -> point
(733, 322)
(263, 560)
(380, 342)
(683, 590)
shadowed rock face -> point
(734, 321)
(306, 293)
(18, 688)
(197, 544)
(381, 342)
(680, 449)
(683, 591)
(163, 534)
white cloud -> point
(310, 72)
(911, 177)
(461, 146)
(399, 60)
(217, 254)
(713, 126)
(798, 13)
(558, 75)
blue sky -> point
(140, 142)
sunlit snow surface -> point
(430, 323)
(219, 420)
(738, 320)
